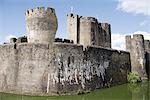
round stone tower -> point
(41, 25)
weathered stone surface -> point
(39, 69)
(147, 55)
(140, 54)
(41, 25)
(88, 31)
(42, 67)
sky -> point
(125, 16)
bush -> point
(133, 77)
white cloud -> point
(118, 40)
(135, 6)
(7, 38)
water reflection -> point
(122, 92)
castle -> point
(39, 64)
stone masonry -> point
(41, 25)
(36, 65)
(88, 31)
(140, 54)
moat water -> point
(140, 91)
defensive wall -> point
(65, 68)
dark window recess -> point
(68, 61)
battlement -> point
(147, 41)
(38, 11)
(105, 24)
(19, 40)
(147, 45)
(128, 37)
(72, 15)
(41, 21)
(138, 36)
(63, 40)
(91, 19)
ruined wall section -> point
(136, 48)
(41, 25)
(67, 72)
(94, 68)
(39, 69)
(108, 66)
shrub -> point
(133, 77)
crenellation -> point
(13, 40)
(71, 15)
(41, 21)
(40, 64)
(22, 40)
(138, 37)
(88, 31)
(147, 45)
(60, 40)
(39, 11)
(90, 19)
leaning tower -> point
(41, 25)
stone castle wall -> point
(88, 31)
(39, 69)
(140, 53)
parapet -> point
(22, 39)
(41, 25)
(91, 19)
(72, 15)
(128, 37)
(147, 41)
(138, 37)
(147, 44)
(67, 41)
(13, 40)
(19, 40)
(63, 40)
(104, 25)
(38, 11)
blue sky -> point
(125, 16)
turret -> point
(41, 25)
(73, 27)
